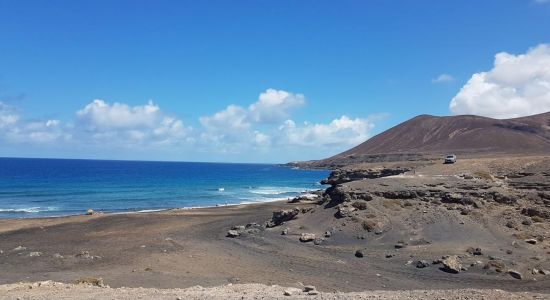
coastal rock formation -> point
(281, 216)
(343, 176)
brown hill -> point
(467, 135)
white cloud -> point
(100, 115)
(343, 132)
(257, 132)
(231, 119)
(8, 117)
(235, 124)
(121, 123)
(15, 130)
(518, 85)
(443, 78)
(542, 1)
(274, 105)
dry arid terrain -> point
(398, 227)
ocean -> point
(60, 187)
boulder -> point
(515, 274)
(360, 205)
(360, 253)
(233, 233)
(19, 249)
(531, 241)
(281, 216)
(369, 225)
(307, 237)
(474, 251)
(452, 264)
(422, 264)
(344, 211)
(309, 288)
(498, 265)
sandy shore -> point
(179, 249)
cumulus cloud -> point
(443, 78)
(517, 85)
(342, 132)
(274, 105)
(265, 126)
(235, 124)
(135, 124)
(231, 119)
(99, 115)
(15, 130)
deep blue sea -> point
(58, 187)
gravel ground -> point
(53, 290)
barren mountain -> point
(470, 135)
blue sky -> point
(332, 73)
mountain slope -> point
(466, 134)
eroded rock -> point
(452, 264)
(307, 237)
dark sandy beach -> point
(182, 248)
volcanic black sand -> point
(371, 233)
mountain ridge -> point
(428, 135)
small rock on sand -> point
(400, 245)
(233, 233)
(452, 264)
(307, 237)
(515, 274)
(35, 253)
(309, 288)
(531, 241)
(19, 248)
(360, 253)
(422, 264)
(474, 251)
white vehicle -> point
(450, 159)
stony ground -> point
(478, 224)
(52, 290)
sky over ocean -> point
(257, 81)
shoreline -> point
(248, 202)
(249, 244)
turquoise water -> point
(58, 187)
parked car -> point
(450, 159)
